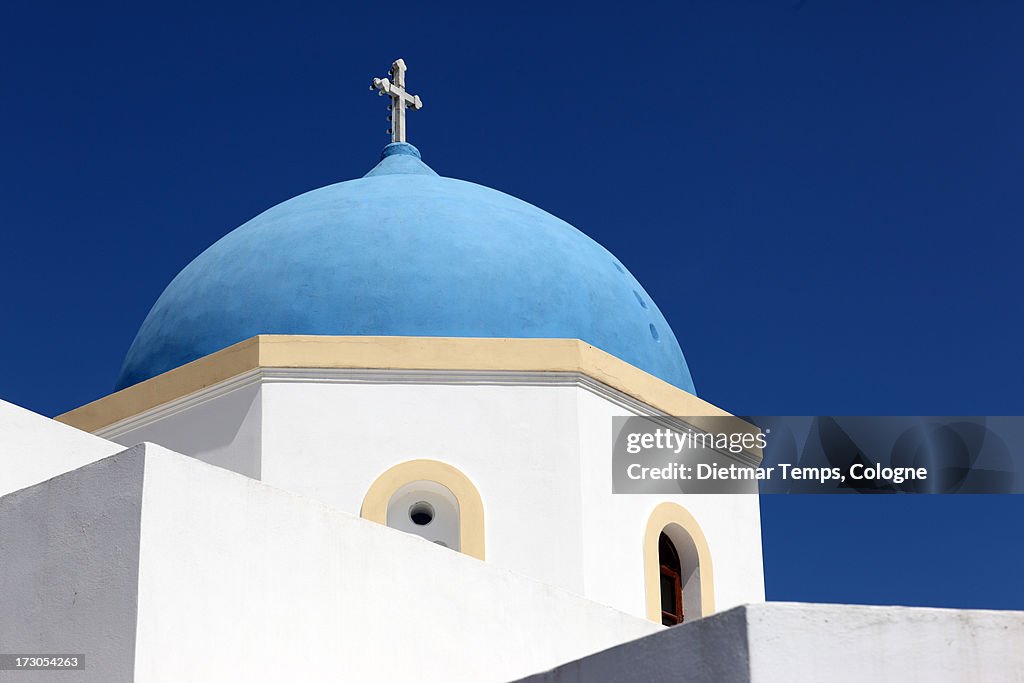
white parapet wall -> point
(34, 448)
(810, 643)
(865, 643)
(161, 567)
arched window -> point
(431, 499)
(671, 582)
(677, 567)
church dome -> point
(405, 252)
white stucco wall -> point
(69, 550)
(242, 581)
(613, 525)
(517, 444)
(148, 552)
(808, 643)
(538, 451)
(221, 426)
(34, 448)
(855, 643)
(155, 563)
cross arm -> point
(386, 87)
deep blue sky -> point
(823, 197)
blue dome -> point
(404, 252)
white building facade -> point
(513, 464)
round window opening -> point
(421, 513)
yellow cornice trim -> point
(384, 353)
(164, 388)
(471, 505)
